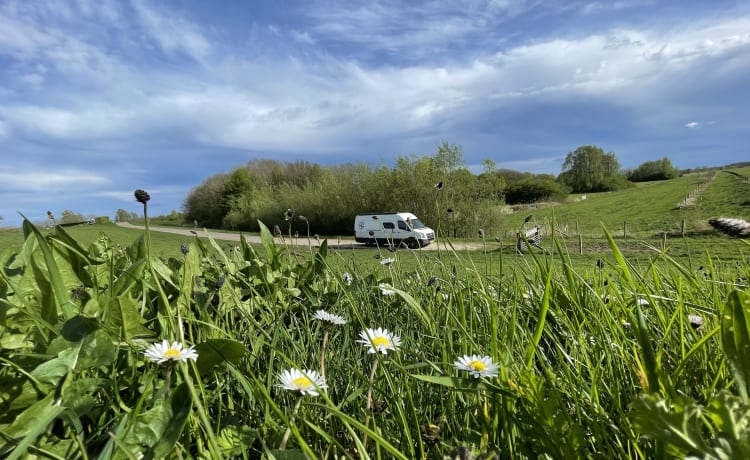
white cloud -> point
(172, 32)
(692, 124)
(39, 180)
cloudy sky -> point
(101, 97)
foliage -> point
(600, 362)
(653, 170)
(70, 217)
(541, 187)
(589, 169)
(329, 198)
(204, 203)
(123, 215)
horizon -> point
(100, 98)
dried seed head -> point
(184, 249)
(461, 453)
(220, 282)
(302, 218)
(481, 233)
(142, 196)
(439, 185)
(288, 214)
(430, 434)
(276, 230)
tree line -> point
(437, 188)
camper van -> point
(392, 229)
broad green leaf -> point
(79, 395)
(165, 273)
(127, 279)
(123, 317)
(677, 425)
(180, 405)
(59, 293)
(735, 338)
(27, 427)
(267, 240)
(155, 432)
(214, 352)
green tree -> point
(654, 170)
(125, 216)
(448, 158)
(237, 184)
(70, 217)
(589, 169)
(203, 203)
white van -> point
(392, 228)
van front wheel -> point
(412, 243)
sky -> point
(99, 98)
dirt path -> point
(338, 243)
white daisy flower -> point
(379, 340)
(643, 303)
(696, 321)
(163, 352)
(386, 289)
(336, 320)
(347, 278)
(478, 366)
(306, 382)
(387, 261)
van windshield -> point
(415, 223)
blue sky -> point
(101, 97)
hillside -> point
(649, 208)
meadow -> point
(268, 353)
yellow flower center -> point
(381, 341)
(172, 353)
(302, 382)
(478, 365)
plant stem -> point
(369, 399)
(323, 355)
(288, 431)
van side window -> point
(402, 225)
(388, 225)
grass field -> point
(284, 352)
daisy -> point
(379, 340)
(347, 278)
(306, 382)
(643, 303)
(386, 289)
(163, 352)
(696, 321)
(336, 320)
(478, 366)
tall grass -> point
(596, 362)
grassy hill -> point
(649, 208)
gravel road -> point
(338, 243)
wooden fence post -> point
(682, 228)
(625, 230)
